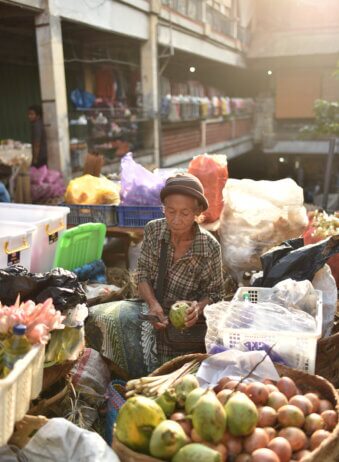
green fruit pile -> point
(254, 422)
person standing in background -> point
(38, 137)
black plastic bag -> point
(294, 260)
(59, 284)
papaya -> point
(167, 401)
(209, 418)
(136, 420)
(167, 439)
(177, 314)
(242, 414)
(187, 384)
(198, 453)
(192, 399)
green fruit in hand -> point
(136, 421)
(209, 418)
(177, 314)
(167, 439)
(167, 401)
(196, 453)
(192, 399)
(242, 414)
(187, 384)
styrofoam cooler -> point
(16, 244)
(50, 223)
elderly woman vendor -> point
(178, 261)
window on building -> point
(189, 8)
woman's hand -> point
(156, 309)
(192, 314)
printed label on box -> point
(53, 238)
(13, 258)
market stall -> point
(265, 341)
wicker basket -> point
(328, 451)
(127, 455)
(327, 361)
(121, 278)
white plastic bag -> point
(324, 281)
(236, 365)
(60, 440)
(256, 216)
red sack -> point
(213, 174)
(333, 262)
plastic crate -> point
(23, 384)
(80, 245)
(81, 214)
(303, 345)
(138, 217)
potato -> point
(258, 392)
(281, 447)
(287, 386)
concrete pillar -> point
(53, 90)
(150, 87)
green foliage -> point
(326, 120)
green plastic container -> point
(80, 245)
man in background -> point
(38, 137)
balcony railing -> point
(219, 22)
(190, 8)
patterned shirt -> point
(195, 276)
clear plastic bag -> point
(263, 316)
(324, 281)
(258, 215)
(295, 294)
(139, 186)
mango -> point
(136, 421)
(209, 418)
(196, 452)
(242, 414)
(192, 399)
(167, 439)
(177, 314)
(183, 388)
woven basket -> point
(120, 278)
(328, 451)
(127, 455)
(54, 374)
(327, 361)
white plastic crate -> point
(23, 384)
(303, 345)
(50, 223)
(16, 244)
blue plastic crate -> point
(81, 214)
(138, 216)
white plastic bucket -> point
(16, 244)
(50, 223)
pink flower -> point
(39, 319)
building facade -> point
(60, 44)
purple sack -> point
(139, 186)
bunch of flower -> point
(39, 319)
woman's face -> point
(180, 212)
